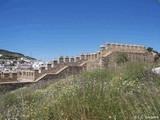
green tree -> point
(122, 58)
(149, 49)
(157, 56)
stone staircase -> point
(62, 69)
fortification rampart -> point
(105, 57)
(54, 67)
(122, 48)
(6, 76)
(70, 70)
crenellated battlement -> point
(98, 59)
(124, 47)
(8, 76)
(103, 51)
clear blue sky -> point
(46, 29)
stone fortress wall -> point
(8, 76)
(105, 57)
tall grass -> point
(126, 93)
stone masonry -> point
(103, 58)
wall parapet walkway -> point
(99, 59)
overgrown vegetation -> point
(157, 57)
(125, 93)
(122, 58)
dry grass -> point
(126, 93)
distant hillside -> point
(12, 55)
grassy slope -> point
(128, 92)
